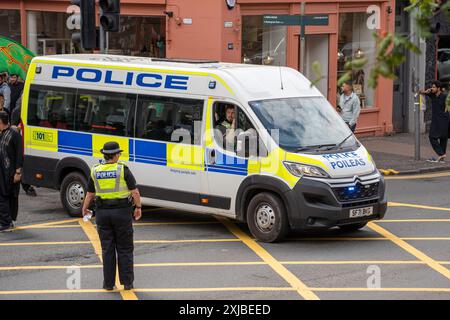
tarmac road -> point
(188, 256)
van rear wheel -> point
(73, 192)
(266, 218)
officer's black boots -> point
(109, 288)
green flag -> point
(14, 58)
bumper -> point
(314, 204)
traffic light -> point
(110, 15)
(87, 35)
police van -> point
(293, 163)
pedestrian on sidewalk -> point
(439, 120)
(11, 159)
(5, 91)
(349, 105)
(16, 90)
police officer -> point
(113, 186)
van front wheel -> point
(266, 218)
(73, 192)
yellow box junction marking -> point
(229, 289)
(92, 234)
(281, 270)
(417, 206)
(221, 264)
(46, 224)
(410, 249)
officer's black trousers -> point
(8, 209)
(115, 230)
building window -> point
(443, 60)
(139, 36)
(263, 44)
(10, 24)
(356, 41)
(47, 33)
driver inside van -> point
(228, 126)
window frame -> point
(132, 111)
(44, 88)
(239, 109)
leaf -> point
(317, 69)
(345, 77)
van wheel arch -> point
(254, 185)
(68, 165)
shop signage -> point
(295, 20)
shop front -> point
(45, 27)
(347, 35)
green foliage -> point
(447, 103)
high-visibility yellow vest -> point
(226, 124)
(109, 181)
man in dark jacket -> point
(439, 120)
(16, 88)
(11, 160)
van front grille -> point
(359, 192)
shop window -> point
(443, 60)
(263, 44)
(139, 36)
(356, 41)
(47, 33)
(10, 24)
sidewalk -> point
(395, 154)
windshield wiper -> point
(319, 146)
(338, 145)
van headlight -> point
(300, 169)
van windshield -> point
(304, 123)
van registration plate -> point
(361, 212)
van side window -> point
(51, 107)
(105, 112)
(169, 119)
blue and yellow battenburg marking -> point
(149, 152)
(227, 164)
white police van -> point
(294, 163)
